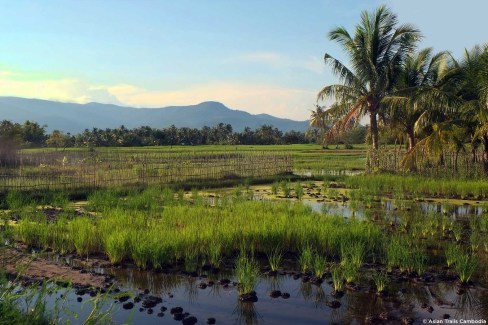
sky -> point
(260, 56)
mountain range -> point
(74, 118)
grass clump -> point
(453, 254)
(247, 273)
(274, 258)
(380, 280)
(319, 266)
(305, 260)
(337, 278)
(465, 267)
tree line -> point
(32, 135)
(431, 100)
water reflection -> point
(246, 313)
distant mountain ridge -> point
(74, 118)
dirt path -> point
(17, 262)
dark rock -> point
(137, 299)
(160, 314)
(272, 273)
(296, 276)
(150, 311)
(224, 281)
(337, 294)
(202, 285)
(141, 309)
(124, 298)
(424, 306)
(275, 294)
(165, 309)
(190, 320)
(79, 299)
(285, 295)
(211, 321)
(178, 316)
(316, 280)
(146, 291)
(446, 316)
(151, 301)
(248, 297)
(430, 309)
(334, 304)
(176, 310)
(128, 305)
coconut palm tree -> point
(376, 53)
(473, 90)
(421, 92)
(321, 119)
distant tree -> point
(58, 139)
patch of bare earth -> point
(17, 262)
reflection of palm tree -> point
(376, 51)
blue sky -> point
(262, 56)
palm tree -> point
(473, 90)
(421, 92)
(320, 119)
(376, 53)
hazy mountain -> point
(75, 118)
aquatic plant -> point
(274, 258)
(453, 254)
(116, 246)
(298, 190)
(319, 265)
(214, 253)
(465, 267)
(274, 188)
(285, 188)
(337, 278)
(350, 271)
(305, 260)
(475, 240)
(381, 280)
(457, 231)
(247, 273)
(84, 235)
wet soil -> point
(19, 262)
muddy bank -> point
(17, 262)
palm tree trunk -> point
(485, 155)
(411, 139)
(373, 124)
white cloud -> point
(68, 90)
(254, 98)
